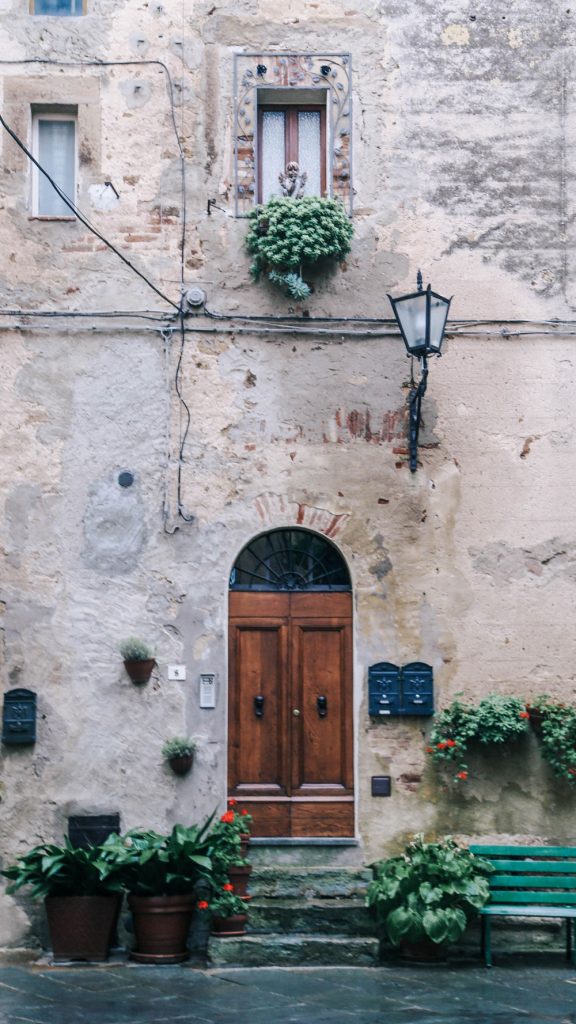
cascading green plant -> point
(431, 891)
(496, 719)
(288, 235)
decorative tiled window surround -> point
(327, 76)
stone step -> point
(302, 852)
(306, 883)
(330, 917)
(293, 950)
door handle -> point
(322, 704)
(259, 706)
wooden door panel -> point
(321, 683)
(323, 817)
(310, 604)
(257, 752)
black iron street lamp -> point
(421, 317)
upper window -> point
(58, 8)
(291, 135)
(54, 146)
(290, 559)
(292, 117)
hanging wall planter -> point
(289, 237)
(138, 658)
(179, 753)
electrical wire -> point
(81, 217)
(137, 314)
(135, 64)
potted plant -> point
(138, 658)
(161, 873)
(495, 720)
(229, 912)
(82, 895)
(288, 235)
(424, 898)
(228, 846)
(179, 753)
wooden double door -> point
(290, 725)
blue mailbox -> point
(383, 689)
(19, 717)
(394, 691)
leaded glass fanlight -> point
(291, 559)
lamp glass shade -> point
(421, 318)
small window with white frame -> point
(54, 145)
(58, 8)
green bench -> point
(530, 881)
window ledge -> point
(48, 218)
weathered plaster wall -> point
(462, 125)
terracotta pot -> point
(244, 841)
(181, 764)
(239, 875)
(161, 926)
(81, 927)
(140, 671)
(235, 925)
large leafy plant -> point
(151, 864)
(496, 719)
(287, 235)
(429, 892)
(66, 871)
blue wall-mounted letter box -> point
(19, 717)
(400, 691)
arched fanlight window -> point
(290, 559)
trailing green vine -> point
(495, 720)
(288, 235)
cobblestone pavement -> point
(539, 991)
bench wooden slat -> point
(508, 896)
(545, 866)
(532, 881)
(505, 910)
(524, 851)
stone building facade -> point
(449, 131)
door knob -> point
(259, 706)
(296, 712)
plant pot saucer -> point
(159, 958)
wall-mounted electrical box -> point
(19, 717)
(394, 691)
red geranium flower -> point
(429, 750)
(441, 746)
(228, 817)
(524, 714)
(244, 811)
(202, 904)
(450, 743)
(232, 803)
(462, 775)
(228, 887)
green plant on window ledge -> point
(288, 235)
(495, 720)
